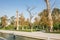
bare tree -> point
(29, 9)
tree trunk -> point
(49, 16)
(17, 20)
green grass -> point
(54, 32)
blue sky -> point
(9, 7)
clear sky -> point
(9, 7)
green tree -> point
(56, 18)
(44, 18)
(22, 21)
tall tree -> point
(22, 21)
(29, 9)
(49, 15)
(17, 20)
(43, 18)
(56, 18)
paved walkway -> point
(39, 35)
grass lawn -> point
(54, 32)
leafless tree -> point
(29, 10)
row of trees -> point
(55, 17)
(40, 22)
(48, 19)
